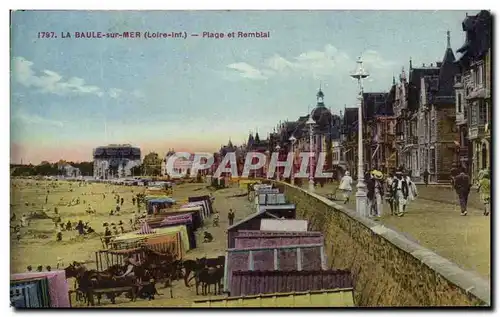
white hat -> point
(347, 173)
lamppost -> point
(310, 122)
(361, 200)
(267, 163)
(292, 140)
(277, 169)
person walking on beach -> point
(484, 190)
(346, 186)
(24, 221)
(79, 227)
(462, 187)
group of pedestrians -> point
(397, 188)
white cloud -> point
(318, 64)
(248, 71)
(115, 93)
(33, 119)
(49, 81)
(138, 94)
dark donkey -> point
(209, 276)
(198, 264)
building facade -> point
(473, 94)
(350, 139)
(115, 160)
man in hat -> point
(400, 190)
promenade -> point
(433, 220)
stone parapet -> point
(388, 268)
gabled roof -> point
(373, 103)
(260, 213)
(266, 282)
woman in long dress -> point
(412, 189)
(346, 186)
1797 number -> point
(46, 35)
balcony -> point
(413, 140)
(478, 92)
(473, 133)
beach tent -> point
(206, 198)
(203, 204)
(195, 211)
(159, 203)
(185, 220)
(138, 237)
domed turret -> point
(321, 114)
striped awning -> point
(145, 229)
(177, 219)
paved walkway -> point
(434, 221)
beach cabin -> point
(322, 298)
(276, 208)
(290, 225)
(39, 290)
(252, 222)
(245, 283)
(256, 238)
(305, 257)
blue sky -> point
(70, 95)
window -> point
(433, 128)
(479, 75)
(474, 115)
(482, 113)
(459, 103)
(433, 160)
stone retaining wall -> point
(388, 269)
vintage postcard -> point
(250, 158)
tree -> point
(137, 170)
(152, 164)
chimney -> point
(423, 64)
(432, 65)
(438, 64)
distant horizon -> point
(70, 95)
